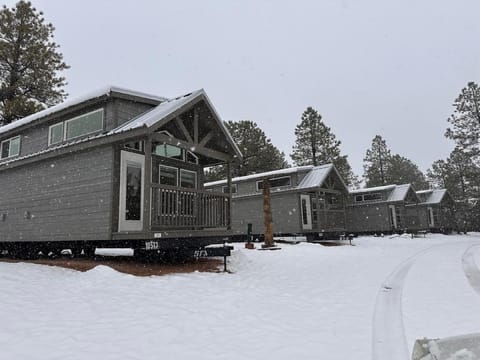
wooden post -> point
(229, 187)
(267, 215)
(147, 206)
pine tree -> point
(29, 63)
(465, 121)
(403, 171)
(315, 144)
(438, 175)
(259, 154)
(377, 163)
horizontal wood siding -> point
(65, 198)
(368, 218)
(120, 111)
(285, 214)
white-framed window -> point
(188, 179)
(81, 125)
(10, 147)
(55, 134)
(275, 182)
(84, 124)
(368, 197)
(168, 175)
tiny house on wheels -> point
(115, 168)
(385, 209)
(439, 208)
(305, 200)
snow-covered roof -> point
(159, 112)
(372, 189)
(317, 176)
(75, 101)
(286, 171)
(168, 107)
(432, 196)
(397, 192)
(146, 120)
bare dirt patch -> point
(129, 265)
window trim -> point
(169, 167)
(80, 116)
(50, 133)
(190, 171)
(9, 146)
(275, 178)
(368, 201)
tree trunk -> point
(267, 215)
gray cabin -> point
(385, 209)
(114, 168)
(439, 209)
(305, 200)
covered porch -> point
(161, 173)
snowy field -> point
(305, 301)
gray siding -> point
(285, 214)
(368, 218)
(116, 112)
(65, 198)
(119, 111)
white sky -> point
(369, 67)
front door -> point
(431, 222)
(393, 216)
(132, 174)
(306, 212)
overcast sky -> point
(369, 67)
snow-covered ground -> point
(305, 301)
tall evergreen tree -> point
(403, 171)
(315, 144)
(377, 163)
(438, 175)
(29, 63)
(259, 154)
(465, 121)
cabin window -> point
(133, 192)
(368, 197)
(84, 124)
(275, 182)
(188, 179)
(169, 151)
(10, 147)
(334, 202)
(168, 175)
(234, 189)
(55, 134)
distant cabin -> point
(439, 208)
(115, 167)
(390, 208)
(307, 200)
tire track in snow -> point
(470, 267)
(388, 334)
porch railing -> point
(175, 208)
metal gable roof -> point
(162, 113)
(433, 196)
(105, 91)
